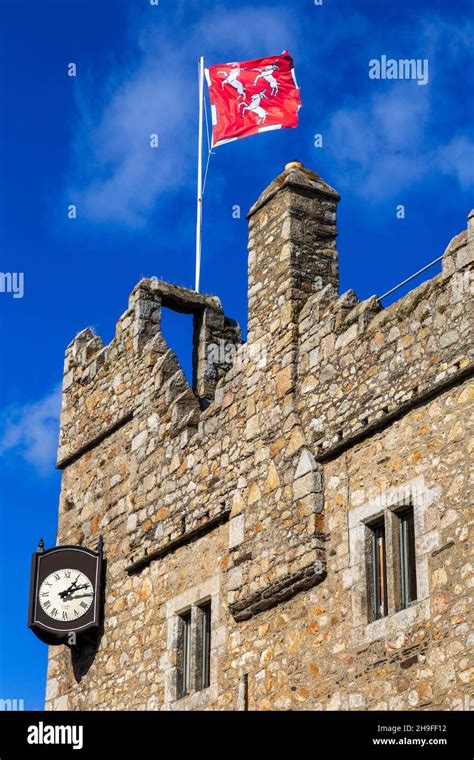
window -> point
(377, 574)
(184, 654)
(407, 557)
(391, 562)
(194, 649)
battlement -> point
(360, 365)
(329, 367)
(105, 385)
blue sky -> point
(85, 140)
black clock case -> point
(45, 562)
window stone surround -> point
(208, 591)
(385, 504)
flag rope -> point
(206, 171)
(209, 149)
(207, 125)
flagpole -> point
(199, 177)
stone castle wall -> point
(252, 488)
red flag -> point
(252, 96)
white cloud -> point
(376, 146)
(457, 158)
(117, 177)
(31, 431)
(380, 144)
(386, 145)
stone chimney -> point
(292, 248)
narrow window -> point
(406, 534)
(205, 646)
(378, 570)
(184, 668)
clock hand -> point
(78, 588)
(80, 596)
(62, 594)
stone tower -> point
(240, 515)
(298, 209)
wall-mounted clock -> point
(65, 592)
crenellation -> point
(92, 369)
(378, 359)
(460, 251)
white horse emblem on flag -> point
(255, 107)
(267, 74)
(233, 81)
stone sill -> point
(200, 700)
(392, 624)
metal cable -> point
(389, 292)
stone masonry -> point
(252, 489)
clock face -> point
(66, 595)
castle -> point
(291, 532)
